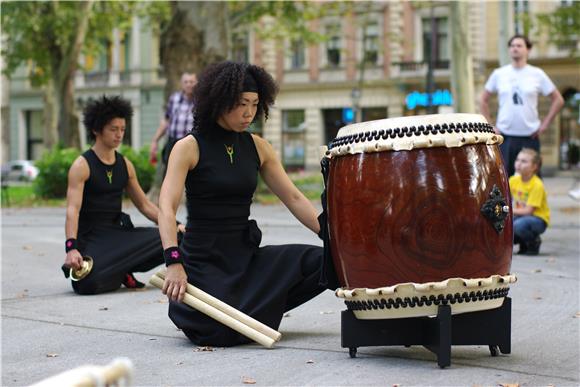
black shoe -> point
(131, 282)
(533, 247)
(523, 249)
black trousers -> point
(116, 249)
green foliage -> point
(562, 26)
(42, 33)
(53, 169)
(292, 18)
(20, 196)
(140, 159)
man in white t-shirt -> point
(518, 86)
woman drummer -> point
(219, 164)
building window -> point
(333, 45)
(374, 113)
(293, 139)
(441, 41)
(240, 46)
(371, 43)
(97, 67)
(297, 55)
(34, 124)
(125, 58)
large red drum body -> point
(399, 215)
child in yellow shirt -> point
(529, 202)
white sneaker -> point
(574, 194)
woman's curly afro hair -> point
(99, 112)
(219, 88)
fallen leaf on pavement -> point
(326, 312)
(105, 308)
(509, 384)
(26, 247)
(537, 271)
(162, 301)
(286, 315)
(577, 315)
(52, 355)
(204, 349)
(179, 363)
(248, 380)
(310, 362)
(551, 260)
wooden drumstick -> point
(220, 316)
(229, 310)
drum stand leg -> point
(437, 334)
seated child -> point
(529, 201)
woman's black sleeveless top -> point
(221, 186)
(103, 191)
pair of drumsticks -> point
(224, 313)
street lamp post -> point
(355, 96)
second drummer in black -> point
(95, 225)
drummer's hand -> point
(181, 228)
(74, 259)
(175, 282)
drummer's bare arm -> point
(184, 157)
(484, 108)
(138, 197)
(278, 181)
(77, 175)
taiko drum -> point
(418, 200)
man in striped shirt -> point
(178, 118)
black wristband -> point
(70, 244)
(172, 255)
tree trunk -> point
(461, 61)
(197, 36)
(63, 72)
(51, 109)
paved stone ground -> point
(46, 329)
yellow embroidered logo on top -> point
(230, 152)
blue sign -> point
(347, 115)
(438, 98)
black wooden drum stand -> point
(437, 334)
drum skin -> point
(415, 216)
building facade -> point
(326, 86)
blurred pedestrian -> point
(178, 118)
(530, 203)
(518, 85)
(95, 225)
(219, 164)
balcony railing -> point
(97, 78)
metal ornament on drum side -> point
(424, 203)
(85, 269)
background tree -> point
(48, 37)
(562, 26)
